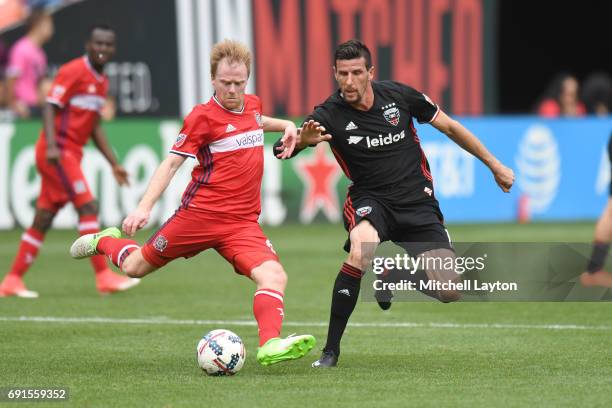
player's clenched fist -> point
(504, 177)
(135, 221)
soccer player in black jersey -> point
(369, 126)
(595, 275)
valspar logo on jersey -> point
(246, 140)
(250, 140)
(385, 140)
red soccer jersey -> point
(80, 92)
(229, 148)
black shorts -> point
(415, 226)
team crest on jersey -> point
(160, 243)
(180, 140)
(363, 211)
(58, 91)
(258, 119)
(391, 113)
(91, 88)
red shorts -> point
(186, 233)
(61, 183)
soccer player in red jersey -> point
(221, 206)
(70, 117)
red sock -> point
(268, 311)
(31, 240)
(117, 249)
(88, 224)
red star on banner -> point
(320, 176)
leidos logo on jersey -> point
(378, 141)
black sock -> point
(598, 256)
(344, 299)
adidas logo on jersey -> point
(229, 128)
(350, 126)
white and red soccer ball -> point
(221, 352)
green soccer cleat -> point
(291, 348)
(86, 245)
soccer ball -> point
(221, 352)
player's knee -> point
(364, 240)
(270, 274)
(134, 270)
(134, 273)
(134, 267)
(277, 276)
(448, 296)
(90, 208)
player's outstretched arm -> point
(101, 142)
(504, 176)
(310, 133)
(158, 184)
(53, 152)
(289, 138)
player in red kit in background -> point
(221, 206)
(70, 117)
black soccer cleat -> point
(328, 359)
(383, 298)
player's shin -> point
(269, 311)
(88, 224)
(31, 240)
(344, 299)
(116, 249)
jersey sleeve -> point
(318, 115)
(193, 135)
(421, 107)
(63, 88)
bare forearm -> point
(275, 124)
(470, 143)
(48, 125)
(103, 146)
(159, 182)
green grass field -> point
(138, 348)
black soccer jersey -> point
(379, 149)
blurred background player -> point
(27, 65)
(3, 64)
(391, 197)
(562, 98)
(595, 275)
(221, 206)
(70, 117)
(597, 93)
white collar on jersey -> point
(99, 77)
(238, 112)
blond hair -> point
(234, 51)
